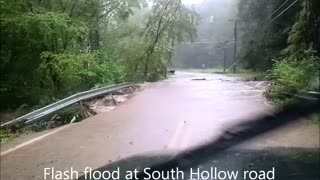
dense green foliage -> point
(263, 39)
(286, 44)
(51, 49)
(294, 75)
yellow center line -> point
(179, 138)
(186, 138)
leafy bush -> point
(5, 135)
(61, 72)
(67, 73)
(293, 75)
(105, 70)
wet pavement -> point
(170, 115)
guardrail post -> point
(131, 90)
(83, 112)
(114, 99)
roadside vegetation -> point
(52, 49)
(289, 48)
(286, 46)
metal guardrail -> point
(311, 95)
(52, 108)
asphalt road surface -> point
(170, 115)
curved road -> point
(169, 115)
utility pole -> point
(224, 59)
(235, 48)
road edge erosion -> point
(16, 138)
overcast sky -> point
(189, 2)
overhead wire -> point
(277, 9)
(283, 11)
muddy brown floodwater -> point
(170, 115)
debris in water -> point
(199, 79)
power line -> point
(283, 11)
(277, 9)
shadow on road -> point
(288, 163)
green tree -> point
(55, 48)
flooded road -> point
(170, 115)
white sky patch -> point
(186, 2)
(190, 2)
